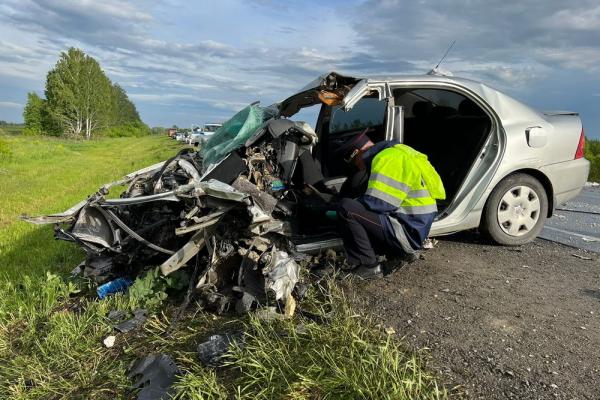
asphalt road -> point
(577, 223)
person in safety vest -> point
(397, 209)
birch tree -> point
(78, 94)
(33, 114)
(82, 102)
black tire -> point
(510, 217)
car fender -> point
(526, 168)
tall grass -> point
(345, 358)
(48, 349)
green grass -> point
(51, 327)
(347, 358)
(47, 348)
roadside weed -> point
(345, 357)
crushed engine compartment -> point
(231, 220)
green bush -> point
(592, 153)
(134, 129)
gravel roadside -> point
(500, 322)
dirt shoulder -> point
(502, 322)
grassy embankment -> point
(51, 328)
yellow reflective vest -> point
(404, 186)
(404, 177)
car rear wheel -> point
(516, 210)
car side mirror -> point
(536, 136)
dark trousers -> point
(363, 233)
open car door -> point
(348, 106)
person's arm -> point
(376, 205)
(386, 188)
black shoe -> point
(366, 272)
(410, 258)
(396, 262)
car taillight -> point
(580, 146)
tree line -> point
(81, 102)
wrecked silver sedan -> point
(242, 201)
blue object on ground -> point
(112, 287)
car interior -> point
(445, 125)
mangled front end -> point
(226, 211)
(220, 213)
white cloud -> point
(10, 104)
(584, 19)
(184, 57)
(576, 57)
(162, 97)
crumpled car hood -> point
(230, 214)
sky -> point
(191, 62)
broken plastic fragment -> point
(183, 255)
(429, 243)
(99, 268)
(116, 315)
(78, 270)
(290, 306)
(139, 317)
(212, 351)
(268, 314)
(156, 374)
(109, 341)
(265, 201)
(245, 303)
(281, 274)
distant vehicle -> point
(194, 138)
(197, 134)
(180, 136)
(210, 128)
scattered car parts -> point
(212, 351)
(139, 317)
(154, 376)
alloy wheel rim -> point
(518, 211)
